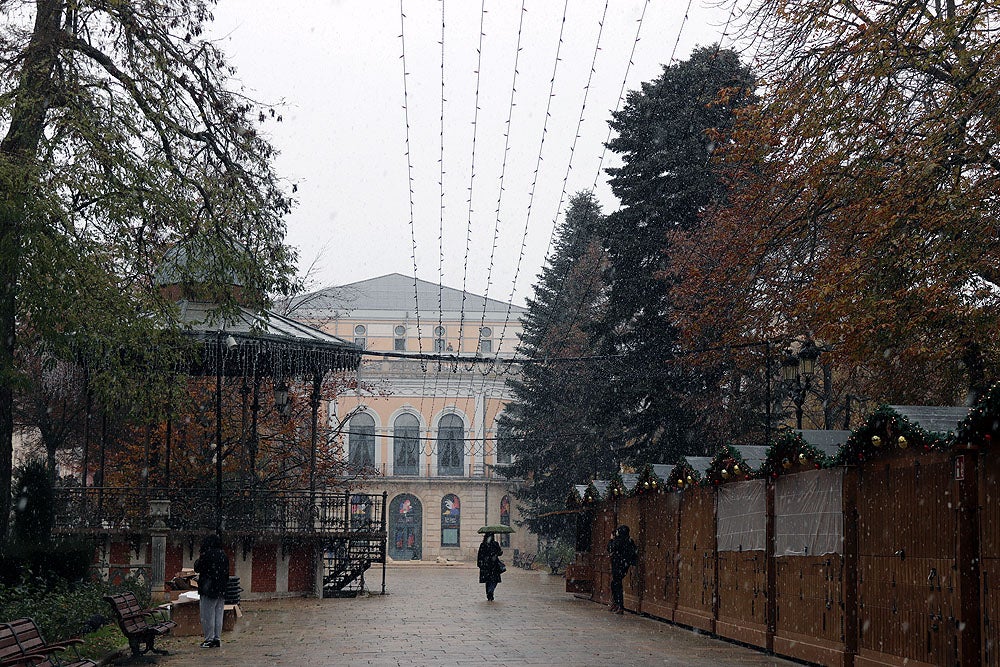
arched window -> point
(439, 338)
(504, 456)
(360, 335)
(399, 338)
(405, 527)
(361, 442)
(486, 340)
(451, 520)
(406, 445)
(451, 446)
(505, 520)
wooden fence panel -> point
(696, 560)
(989, 542)
(657, 553)
(908, 601)
(743, 597)
(604, 525)
(810, 608)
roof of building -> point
(267, 341)
(935, 419)
(395, 292)
(826, 441)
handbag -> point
(502, 568)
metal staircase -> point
(345, 562)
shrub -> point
(67, 560)
(60, 608)
(33, 504)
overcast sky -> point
(337, 68)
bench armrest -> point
(24, 659)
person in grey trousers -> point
(212, 567)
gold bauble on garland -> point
(902, 442)
(877, 441)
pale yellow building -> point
(427, 426)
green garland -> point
(682, 477)
(884, 431)
(791, 453)
(982, 424)
(728, 466)
(649, 482)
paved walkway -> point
(438, 615)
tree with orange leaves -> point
(864, 207)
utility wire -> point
(534, 182)
(503, 166)
(621, 92)
(472, 174)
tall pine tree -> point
(548, 425)
(667, 133)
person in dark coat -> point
(623, 554)
(212, 567)
(489, 564)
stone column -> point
(159, 511)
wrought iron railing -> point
(251, 511)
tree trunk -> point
(32, 99)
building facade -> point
(424, 428)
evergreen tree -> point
(548, 425)
(667, 133)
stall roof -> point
(700, 464)
(662, 470)
(629, 480)
(753, 455)
(828, 442)
(935, 419)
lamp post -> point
(797, 371)
(229, 343)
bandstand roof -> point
(266, 343)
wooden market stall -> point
(658, 544)
(696, 562)
(811, 580)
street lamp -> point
(281, 402)
(797, 371)
(229, 342)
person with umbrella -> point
(490, 565)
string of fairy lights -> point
(443, 366)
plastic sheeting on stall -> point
(742, 519)
(808, 514)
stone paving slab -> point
(438, 615)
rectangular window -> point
(449, 537)
(399, 345)
(486, 345)
(360, 342)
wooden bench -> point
(523, 559)
(22, 644)
(137, 624)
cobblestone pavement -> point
(438, 615)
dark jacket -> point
(488, 561)
(213, 573)
(623, 554)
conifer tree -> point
(667, 133)
(548, 426)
